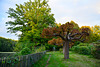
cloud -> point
(97, 7)
(3, 29)
(80, 11)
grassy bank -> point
(76, 60)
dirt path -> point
(48, 61)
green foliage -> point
(96, 51)
(25, 51)
(39, 49)
(6, 45)
(86, 50)
(61, 50)
(76, 26)
(30, 17)
(83, 44)
(20, 45)
(95, 37)
(50, 47)
(76, 43)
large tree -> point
(67, 33)
(30, 16)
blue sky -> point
(83, 12)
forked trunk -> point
(66, 50)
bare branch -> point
(59, 36)
(69, 38)
(76, 38)
(75, 34)
(82, 40)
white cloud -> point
(80, 11)
(97, 7)
(3, 29)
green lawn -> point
(76, 60)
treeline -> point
(6, 45)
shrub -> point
(85, 50)
(61, 50)
(25, 51)
(50, 47)
(83, 44)
(76, 43)
(82, 50)
(20, 45)
(75, 48)
(96, 51)
(40, 49)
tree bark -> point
(63, 49)
(66, 50)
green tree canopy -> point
(30, 16)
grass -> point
(76, 60)
(42, 61)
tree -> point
(96, 29)
(96, 33)
(67, 33)
(30, 16)
(6, 45)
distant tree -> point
(94, 33)
(89, 38)
(6, 45)
(96, 29)
(67, 33)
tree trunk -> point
(66, 50)
(63, 48)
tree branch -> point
(59, 36)
(68, 36)
(81, 40)
(76, 38)
(75, 34)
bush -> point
(39, 49)
(20, 45)
(96, 51)
(76, 43)
(61, 50)
(25, 51)
(82, 50)
(85, 50)
(50, 47)
(75, 48)
(83, 44)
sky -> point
(83, 12)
